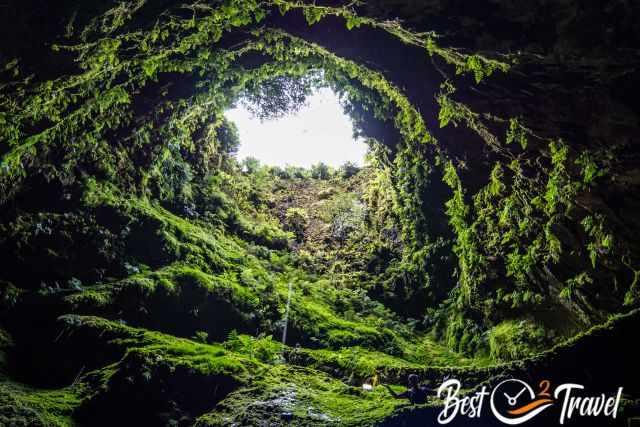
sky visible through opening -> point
(319, 132)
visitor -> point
(416, 393)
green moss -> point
(21, 405)
(352, 362)
(427, 351)
(264, 349)
(205, 359)
(512, 340)
(217, 267)
(311, 397)
(96, 298)
(316, 317)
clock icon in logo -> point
(514, 402)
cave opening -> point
(313, 132)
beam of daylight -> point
(319, 132)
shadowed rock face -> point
(150, 290)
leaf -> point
(593, 254)
(353, 21)
(259, 14)
(284, 8)
(516, 132)
(149, 66)
(313, 15)
(236, 21)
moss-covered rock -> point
(288, 395)
(25, 406)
